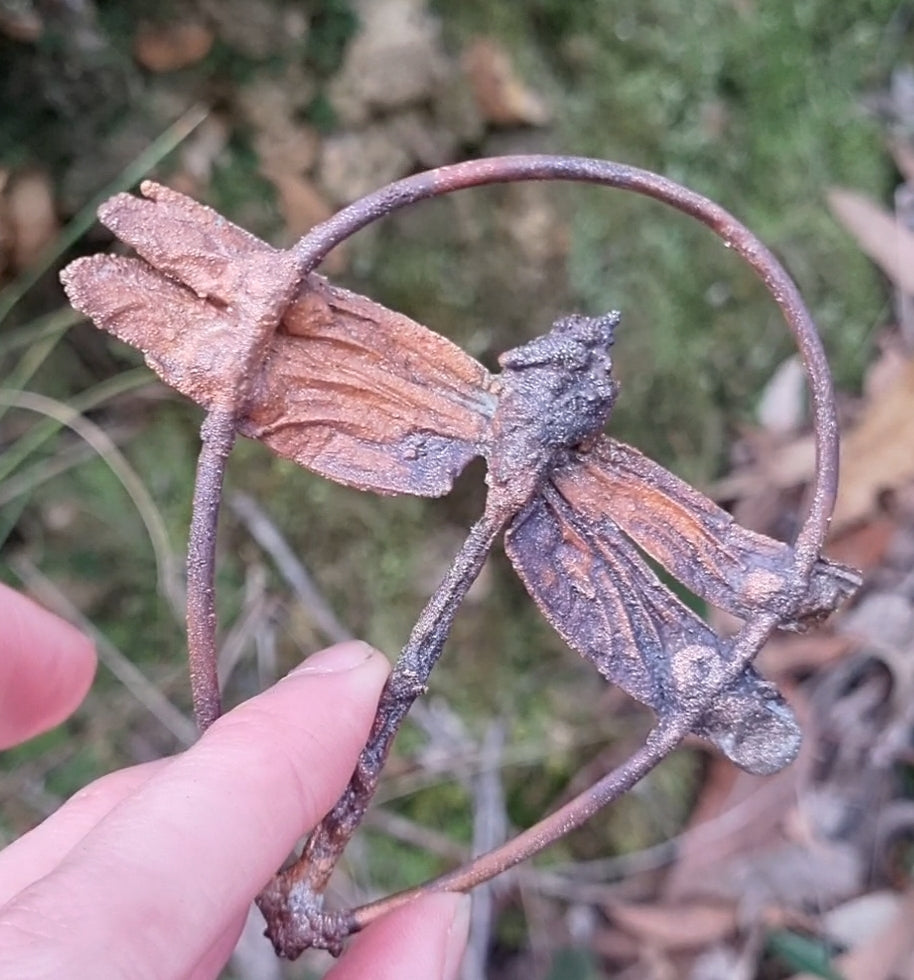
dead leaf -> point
(802, 653)
(676, 927)
(884, 619)
(723, 826)
(614, 945)
(20, 22)
(877, 454)
(286, 147)
(782, 406)
(31, 217)
(171, 46)
(745, 842)
(887, 242)
(502, 97)
(783, 468)
(301, 203)
(886, 955)
(865, 546)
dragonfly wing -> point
(187, 241)
(369, 397)
(349, 389)
(201, 307)
(593, 586)
(187, 341)
(698, 542)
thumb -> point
(422, 940)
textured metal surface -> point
(370, 398)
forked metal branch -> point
(273, 351)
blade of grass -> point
(41, 337)
(18, 488)
(168, 570)
(14, 456)
(41, 327)
(9, 517)
(30, 361)
(135, 171)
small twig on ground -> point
(258, 606)
(490, 830)
(267, 535)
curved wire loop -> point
(319, 927)
(316, 245)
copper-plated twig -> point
(218, 437)
(292, 902)
(303, 922)
(367, 397)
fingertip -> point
(39, 852)
(457, 935)
(45, 671)
(341, 657)
(452, 910)
(424, 939)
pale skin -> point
(149, 871)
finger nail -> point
(336, 659)
(456, 941)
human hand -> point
(149, 872)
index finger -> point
(157, 882)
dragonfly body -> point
(556, 392)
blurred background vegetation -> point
(276, 113)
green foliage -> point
(238, 188)
(225, 66)
(801, 954)
(320, 113)
(333, 23)
(393, 865)
(685, 90)
(574, 963)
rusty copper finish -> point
(368, 397)
(205, 302)
(313, 248)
